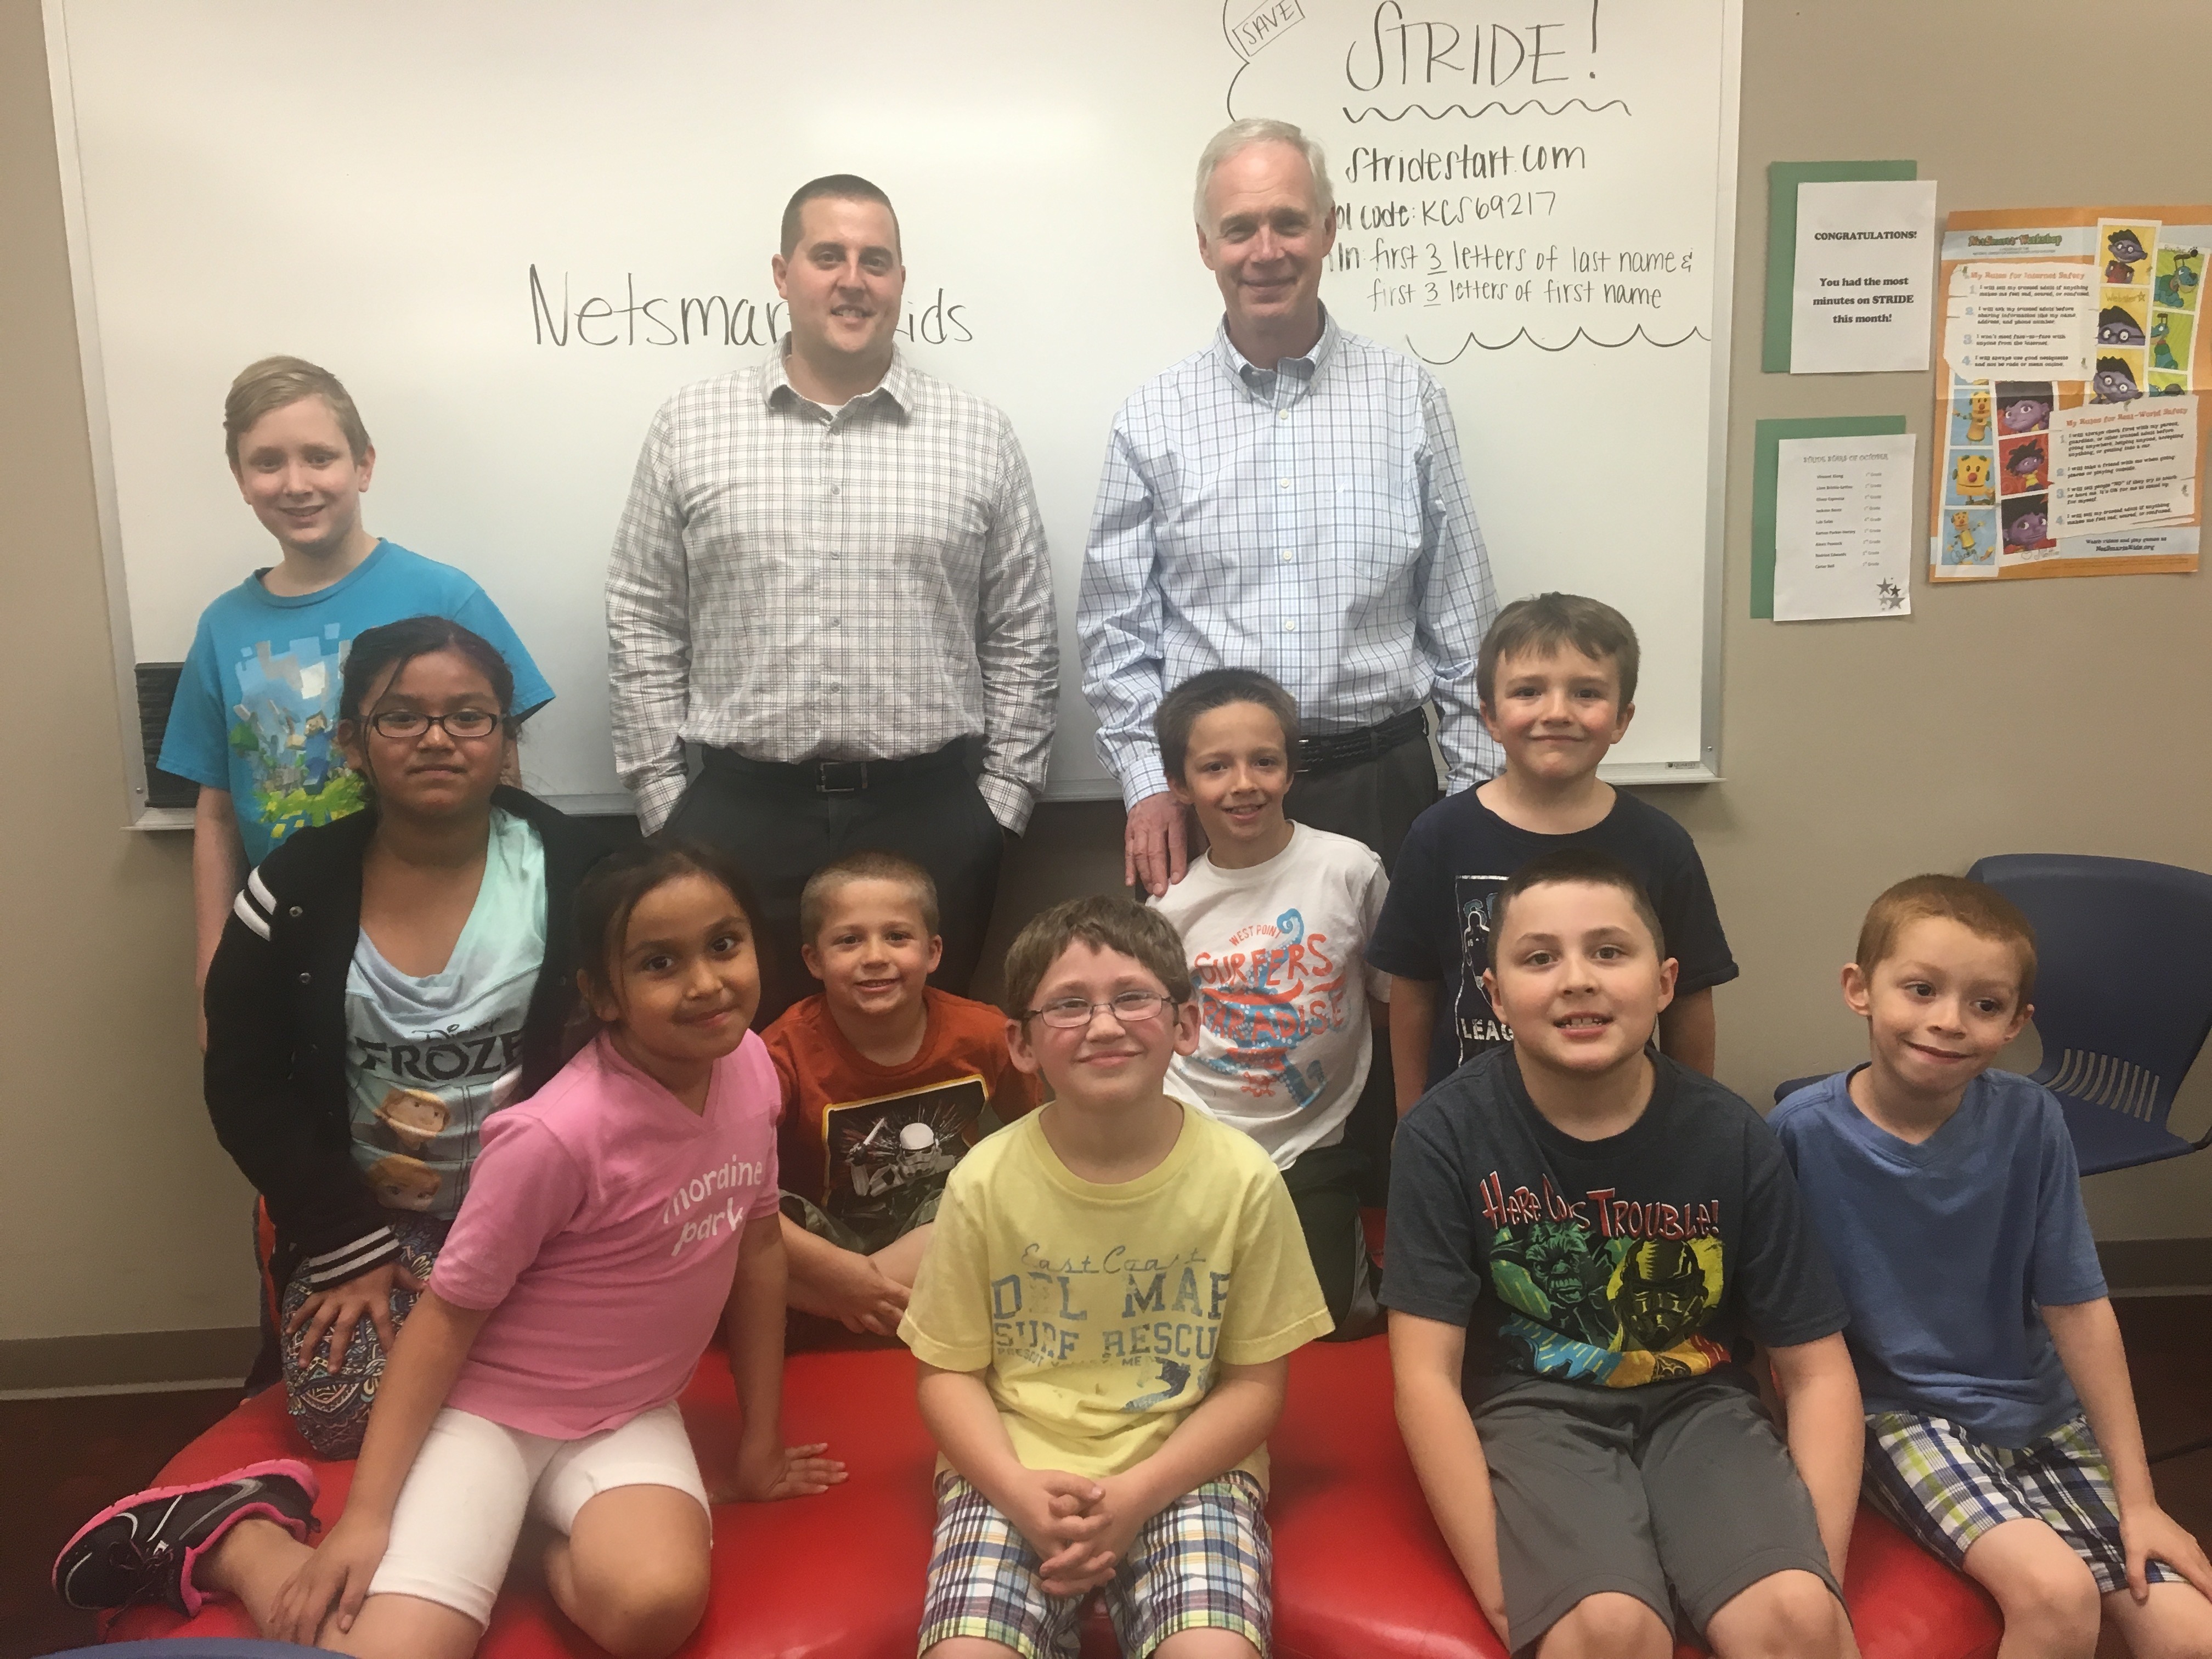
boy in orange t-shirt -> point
(887, 1082)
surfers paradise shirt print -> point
(1278, 955)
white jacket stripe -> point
(245, 913)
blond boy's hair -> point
(276, 382)
(814, 898)
(1980, 909)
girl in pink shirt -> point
(613, 1218)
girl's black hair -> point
(613, 887)
(394, 644)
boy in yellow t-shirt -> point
(1103, 1321)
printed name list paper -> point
(1866, 268)
(1842, 528)
(2124, 466)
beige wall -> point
(2071, 716)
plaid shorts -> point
(1946, 1489)
(1203, 1563)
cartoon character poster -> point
(1971, 537)
(884, 1160)
(1605, 1289)
(2023, 464)
(2049, 310)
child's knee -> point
(1607, 1625)
(2052, 1593)
(1786, 1615)
(646, 1611)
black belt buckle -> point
(840, 777)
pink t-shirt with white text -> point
(601, 1228)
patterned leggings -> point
(330, 1406)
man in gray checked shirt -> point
(831, 576)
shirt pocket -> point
(1378, 520)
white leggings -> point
(475, 1481)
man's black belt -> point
(1331, 752)
(840, 777)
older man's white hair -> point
(1242, 136)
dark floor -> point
(62, 1460)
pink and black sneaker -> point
(144, 1548)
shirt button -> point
(1289, 627)
(833, 622)
(295, 911)
(1282, 483)
(1282, 414)
(306, 979)
(1286, 556)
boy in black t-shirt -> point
(1586, 1240)
(1557, 676)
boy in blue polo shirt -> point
(254, 712)
(2001, 1427)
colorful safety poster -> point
(2067, 399)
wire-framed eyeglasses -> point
(1129, 1007)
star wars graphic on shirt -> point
(1604, 1289)
(884, 1158)
(1475, 898)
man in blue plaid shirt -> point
(1289, 499)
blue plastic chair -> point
(2122, 993)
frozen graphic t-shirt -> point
(257, 707)
(1654, 1255)
(1278, 955)
(429, 1059)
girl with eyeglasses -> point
(384, 983)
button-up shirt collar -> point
(1267, 383)
(896, 387)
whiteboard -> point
(513, 227)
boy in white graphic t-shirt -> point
(1275, 917)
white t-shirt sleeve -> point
(1370, 903)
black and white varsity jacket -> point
(275, 1076)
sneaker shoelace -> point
(146, 1564)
